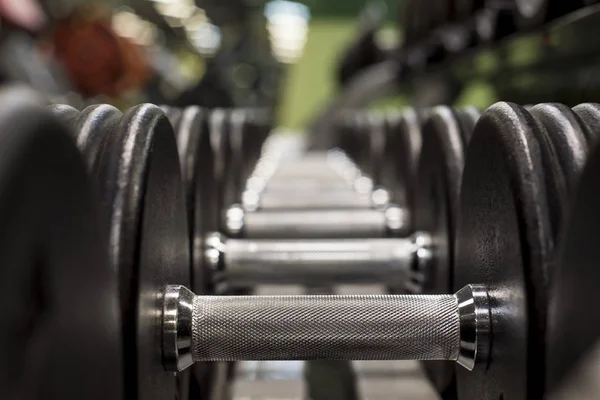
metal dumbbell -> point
(247, 262)
(513, 169)
(319, 195)
(376, 327)
(405, 262)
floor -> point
(377, 380)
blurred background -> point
(297, 59)
(245, 53)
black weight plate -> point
(375, 135)
(198, 170)
(467, 119)
(60, 333)
(573, 323)
(133, 157)
(589, 114)
(439, 175)
(349, 139)
(198, 166)
(565, 149)
(400, 156)
(258, 129)
(221, 147)
(503, 240)
(174, 114)
(238, 136)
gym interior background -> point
(292, 200)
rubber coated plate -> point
(197, 164)
(238, 122)
(349, 136)
(134, 159)
(174, 114)
(439, 175)
(59, 336)
(258, 129)
(572, 329)
(503, 240)
(400, 156)
(565, 150)
(219, 138)
(589, 113)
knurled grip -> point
(373, 327)
(381, 327)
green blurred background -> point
(310, 83)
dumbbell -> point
(517, 162)
(520, 169)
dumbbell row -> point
(515, 163)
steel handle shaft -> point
(315, 262)
(375, 327)
(358, 223)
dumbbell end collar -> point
(472, 346)
(177, 328)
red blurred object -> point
(99, 61)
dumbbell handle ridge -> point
(353, 327)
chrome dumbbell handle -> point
(376, 327)
(244, 262)
(392, 221)
(340, 199)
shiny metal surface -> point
(342, 327)
(475, 326)
(316, 262)
(303, 200)
(335, 223)
(375, 327)
(177, 323)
